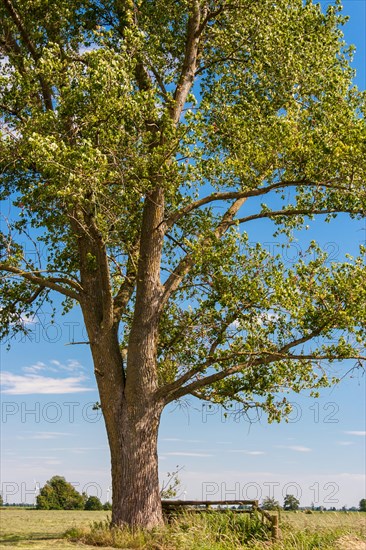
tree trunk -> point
(135, 481)
(128, 392)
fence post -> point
(275, 531)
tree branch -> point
(186, 79)
(47, 282)
(210, 15)
(292, 212)
(19, 24)
(46, 91)
(160, 81)
(35, 295)
(11, 48)
(11, 111)
(97, 245)
(175, 389)
(126, 289)
(187, 262)
(247, 194)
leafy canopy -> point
(236, 111)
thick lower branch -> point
(47, 282)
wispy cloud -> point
(43, 435)
(180, 440)
(79, 449)
(184, 453)
(296, 448)
(355, 432)
(39, 457)
(70, 366)
(299, 449)
(34, 369)
(28, 384)
(345, 443)
(244, 452)
(55, 366)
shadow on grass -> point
(8, 539)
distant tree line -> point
(291, 503)
(58, 494)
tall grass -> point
(206, 531)
(230, 531)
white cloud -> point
(355, 432)
(16, 384)
(345, 443)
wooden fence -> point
(196, 506)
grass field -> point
(41, 530)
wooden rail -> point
(170, 506)
(206, 505)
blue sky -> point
(48, 426)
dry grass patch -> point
(350, 542)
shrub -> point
(58, 494)
(93, 503)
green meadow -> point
(66, 530)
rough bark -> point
(132, 429)
(135, 479)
